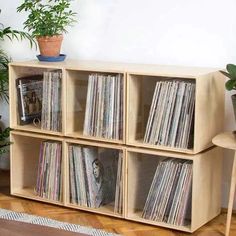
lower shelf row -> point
(160, 188)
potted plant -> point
(231, 83)
(47, 21)
(7, 32)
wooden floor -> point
(14, 228)
(214, 228)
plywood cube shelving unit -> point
(140, 159)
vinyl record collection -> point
(171, 115)
(169, 197)
(39, 100)
(49, 171)
(104, 106)
(95, 177)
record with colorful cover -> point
(29, 98)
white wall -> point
(183, 32)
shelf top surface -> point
(103, 66)
(225, 140)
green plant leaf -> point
(231, 68)
(4, 60)
(226, 74)
(230, 84)
(18, 35)
(5, 134)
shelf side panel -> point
(209, 109)
(206, 196)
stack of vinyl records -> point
(171, 116)
(104, 106)
(169, 197)
(95, 176)
(119, 187)
(49, 171)
(51, 105)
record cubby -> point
(18, 72)
(205, 187)
(77, 80)
(24, 168)
(208, 96)
(106, 108)
(107, 155)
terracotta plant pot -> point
(50, 46)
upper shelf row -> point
(162, 107)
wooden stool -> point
(228, 140)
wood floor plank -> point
(214, 228)
(14, 228)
